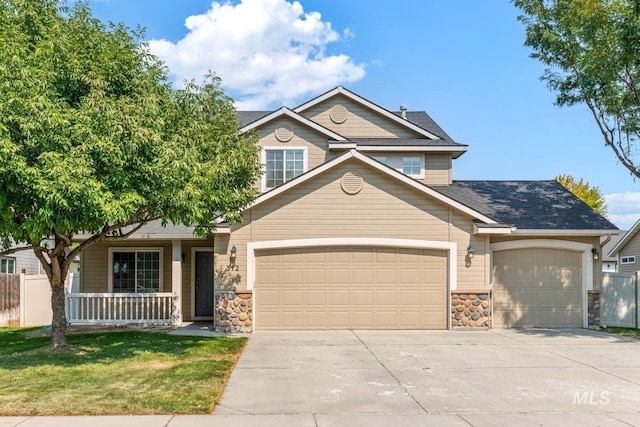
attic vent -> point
(351, 183)
(338, 114)
(284, 133)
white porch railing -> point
(120, 308)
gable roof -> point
(383, 169)
(530, 206)
(370, 105)
(286, 112)
(625, 239)
(607, 248)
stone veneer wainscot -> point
(471, 309)
(233, 311)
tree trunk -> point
(59, 321)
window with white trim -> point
(283, 165)
(628, 259)
(135, 270)
(7, 265)
(412, 166)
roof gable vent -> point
(351, 183)
(284, 133)
(338, 114)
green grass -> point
(626, 332)
(125, 372)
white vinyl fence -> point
(619, 300)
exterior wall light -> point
(232, 257)
(595, 253)
(470, 252)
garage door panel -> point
(386, 257)
(292, 298)
(269, 276)
(362, 276)
(267, 298)
(339, 319)
(316, 319)
(434, 275)
(342, 288)
(363, 297)
(315, 276)
(291, 318)
(409, 297)
(386, 276)
(291, 276)
(411, 318)
(546, 294)
(387, 297)
(338, 297)
(316, 297)
(338, 276)
(410, 276)
(292, 256)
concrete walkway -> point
(459, 378)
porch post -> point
(176, 280)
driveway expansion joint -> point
(400, 383)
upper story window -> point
(628, 260)
(7, 265)
(136, 270)
(382, 160)
(283, 165)
(412, 166)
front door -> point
(204, 284)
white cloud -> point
(267, 52)
(623, 209)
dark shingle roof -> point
(422, 119)
(533, 205)
(246, 117)
(418, 118)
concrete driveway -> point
(479, 378)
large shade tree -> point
(585, 192)
(592, 52)
(95, 142)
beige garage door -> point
(351, 288)
(537, 288)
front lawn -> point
(124, 372)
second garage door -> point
(537, 287)
(351, 288)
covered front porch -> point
(151, 281)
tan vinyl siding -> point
(361, 122)
(385, 208)
(632, 248)
(437, 169)
(471, 271)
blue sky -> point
(462, 61)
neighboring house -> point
(609, 262)
(16, 262)
(627, 250)
(361, 225)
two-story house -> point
(360, 225)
